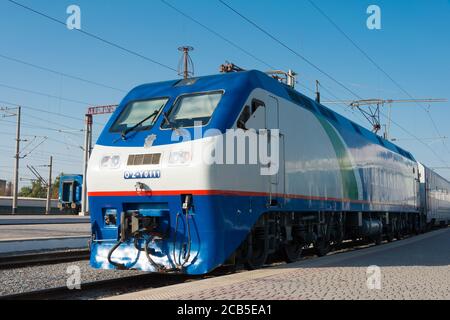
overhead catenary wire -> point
(209, 29)
(94, 36)
(63, 74)
(30, 142)
(274, 38)
(59, 21)
(296, 53)
(66, 127)
(416, 138)
(68, 145)
(34, 126)
(34, 148)
(38, 155)
(45, 94)
(76, 146)
(382, 70)
(41, 110)
(217, 34)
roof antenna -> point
(186, 66)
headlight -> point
(110, 162)
(179, 158)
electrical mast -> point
(92, 111)
(370, 109)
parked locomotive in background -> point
(157, 206)
(70, 193)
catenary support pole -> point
(16, 164)
(87, 147)
(48, 206)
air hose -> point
(138, 235)
(175, 241)
(153, 263)
(187, 255)
(119, 266)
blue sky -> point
(413, 46)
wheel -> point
(322, 247)
(257, 248)
(389, 236)
(379, 239)
(398, 233)
(292, 251)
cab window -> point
(191, 109)
(137, 111)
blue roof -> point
(236, 86)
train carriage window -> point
(190, 109)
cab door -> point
(276, 181)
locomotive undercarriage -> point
(276, 236)
(281, 235)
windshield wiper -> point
(171, 125)
(127, 131)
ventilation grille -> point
(144, 159)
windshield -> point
(137, 111)
(193, 108)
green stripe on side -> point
(350, 186)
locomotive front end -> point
(148, 186)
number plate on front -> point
(144, 174)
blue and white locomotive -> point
(157, 206)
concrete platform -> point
(15, 239)
(23, 232)
(41, 219)
(415, 268)
(18, 247)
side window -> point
(243, 118)
(256, 104)
(248, 115)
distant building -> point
(9, 189)
(2, 187)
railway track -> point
(42, 258)
(112, 287)
(104, 288)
